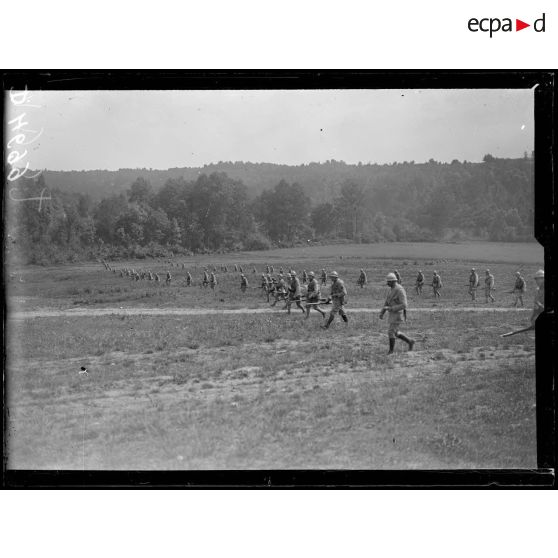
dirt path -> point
(89, 312)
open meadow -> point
(229, 382)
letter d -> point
(542, 21)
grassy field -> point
(269, 390)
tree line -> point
(215, 212)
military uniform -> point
(519, 289)
(313, 296)
(213, 281)
(338, 295)
(304, 277)
(362, 280)
(397, 302)
(188, 279)
(436, 285)
(243, 283)
(473, 284)
(169, 278)
(205, 280)
(324, 277)
(488, 286)
(294, 294)
(538, 306)
(419, 283)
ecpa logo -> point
(492, 25)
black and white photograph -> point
(201, 279)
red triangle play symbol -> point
(519, 25)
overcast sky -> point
(162, 129)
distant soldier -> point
(212, 280)
(254, 270)
(488, 286)
(362, 280)
(243, 282)
(225, 269)
(121, 273)
(271, 270)
(137, 276)
(271, 288)
(324, 277)
(183, 265)
(304, 277)
(264, 283)
(157, 278)
(538, 306)
(313, 296)
(169, 278)
(395, 305)
(236, 268)
(266, 268)
(294, 293)
(240, 269)
(150, 276)
(205, 280)
(473, 283)
(519, 288)
(281, 272)
(419, 282)
(436, 284)
(338, 295)
(398, 276)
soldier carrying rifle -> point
(243, 282)
(419, 282)
(488, 286)
(519, 288)
(473, 283)
(436, 284)
(313, 295)
(294, 293)
(362, 279)
(338, 295)
(395, 305)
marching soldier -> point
(519, 288)
(280, 289)
(271, 270)
(243, 282)
(183, 265)
(398, 276)
(213, 281)
(488, 286)
(324, 277)
(225, 269)
(436, 284)
(157, 278)
(419, 282)
(205, 280)
(294, 293)
(362, 280)
(538, 306)
(168, 279)
(240, 269)
(188, 279)
(266, 268)
(264, 284)
(338, 294)
(304, 277)
(281, 270)
(473, 283)
(313, 296)
(150, 276)
(271, 288)
(395, 305)
(235, 268)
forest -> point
(224, 207)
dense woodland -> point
(247, 206)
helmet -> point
(518, 272)
(334, 274)
(472, 269)
(293, 273)
(311, 274)
(435, 273)
(488, 271)
(539, 274)
(391, 277)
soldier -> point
(271, 270)
(280, 289)
(395, 305)
(313, 296)
(183, 265)
(157, 278)
(271, 288)
(294, 293)
(362, 280)
(205, 280)
(225, 269)
(436, 284)
(150, 276)
(419, 282)
(488, 286)
(266, 268)
(254, 270)
(137, 276)
(188, 279)
(324, 277)
(168, 279)
(243, 282)
(398, 276)
(519, 288)
(240, 269)
(121, 273)
(473, 283)
(538, 306)
(264, 284)
(338, 294)
(304, 277)
(213, 281)
(235, 268)
(281, 270)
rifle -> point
(509, 334)
(322, 301)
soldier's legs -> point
(392, 334)
(410, 342)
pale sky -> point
(162, 129)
